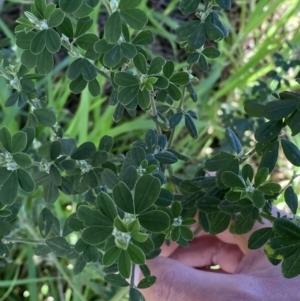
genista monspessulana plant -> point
(126, 212)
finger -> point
(177, 282)
(208, 250)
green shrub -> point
(126, 205)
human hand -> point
(182, 273)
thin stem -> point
(7, 240)
(132, 276)
(289, 183)
(154, 114)
(267, 216)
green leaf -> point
(5, 229)
(92, 217)
(109, 178)
(107, 206)
(5, 138)
(96, 235)
(270, 188)
(233, 141)
(88, 70)
(197, 37)
(137, 155)
(113, 28)
(203, 63)
(91, 254)
(146, 193)
(135, 18)
(208, 204)
(243, 224)
(55, 150)
(166, 157)
(28, 59)
(79, 265)
(259, 238)
(19, 142)
(140, 63)
(40, 6)
(128, 50)
(45, 62)
(66, 28)
(55, 176)
(70, 6)
(211, 52)
(232, 180)
(190, 125)
(219, 222)
(218, 161)
(129, 4)
(174, 92)
(278, 109)
(136, 254)
(123, 198)
(135, 295)
(99, 158)
(154, 221)
(186, 233)
(258, 199)
(291, 152)
(291, 199)
(165, 198)
(125, 79)
(144, 99)
(59, 246)
(146, 282)
(268, 131)
(213, 32)
(261, 176)
(156, 65)
(74, 70)
(116, 280)
(53, 42)
(45, 222)
(56, 18)
(144, 37)
(38, 43)
(106, 143)
(50, 192)
(225, 4)
(247, 172)
(128, 94)
(25, 180)
(286, 228)
(45, 117)
(168, 69)
(87, 41)
(85, 151)
(113, 56)
(124, 264)
(293, 121)
(111, 255)
(9, 189)
(254, 109)
(78, 85)
(83, 25)
(23, 39)
(188, 6)
(269, 157)
(180, 78)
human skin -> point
(244, 275)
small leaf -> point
(25, 180)
(146, 282)
(146, 193)
(125, 79)
(225, 4)
(109, 178)
(258, 199)
(190, 125)
(211, 52)
(144, 37)
(278, 109)
(135, 18)
(291, 152)
(84, 151)
(136, 254)
(19, 141)
(166, 157)
(111, 255)
(270, 157)
(96, 235)
(140, 63)
(188, 6)
(123, 198)
(38, 43)
(291, 199)
(9, 189)
(261, 176)
(45, 222)
(197, 37)
(268, 131)
(259, 238)
(113, 28)
(83, 25)
(116, 280)
(106, 143)
(70, 6)
(180, 78)
(45, 62)
(107, 206)
(155, 221)
(56, 18)
(124, 264)
(129, 4)
(233, 141)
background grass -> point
(258, 29)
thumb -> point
(178, 282)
